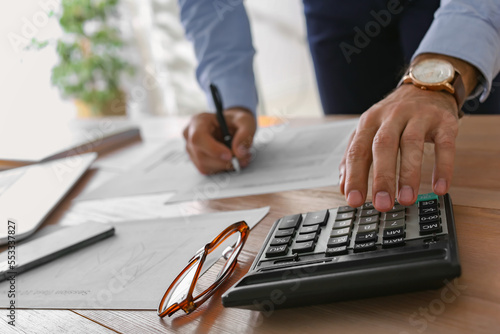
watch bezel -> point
(444, 84)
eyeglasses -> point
(179, 294)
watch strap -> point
(459, 89)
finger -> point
(445, 155)
(205, 143)
(412, 148)
(207, 153)
(342, 165)
(357, 165)
(206, 164)
(385, 154)
(201, 138)
(244, 127)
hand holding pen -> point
(209, 151)
(226, 136)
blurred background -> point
(163, 82)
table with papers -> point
(475, 308)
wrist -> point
(440, 73)
(442, 99)
(238, 110)
(468, 72)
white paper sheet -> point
(283, 159)
(130, 270)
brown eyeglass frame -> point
(189, 304)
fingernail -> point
(406, 194)
(383, 200)
(440, 187)
(226, 156)
(242, 150)
(354, 198)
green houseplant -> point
(91, 65)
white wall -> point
(25, 89)
(283, 64)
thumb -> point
(244, 127)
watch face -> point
(433, 71)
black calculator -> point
(348, 253)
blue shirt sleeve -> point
(220, 32)
(469, 30)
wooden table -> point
(473, 307)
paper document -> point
(130, 270)
(283, 159)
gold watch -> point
(436, 74)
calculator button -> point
(366, 237)
(306, 237)
(309, 229)
(368, 228)
(367, 246)
(345, 215)
(428, 210)
(429, 228)
(433, 202)
(393, 215)
(303, 247)
(346, 208)
(284, 233)
(368, 220)
(313, 218)
(426, 197)
(342, 223)
(290, 222)
(336, 251)
(367, 205)
(394, 224)
(394, 233)
(394, 242)
(428, 218)
(340, 232)
(281, 241)
(397, 208)
(338, 241)
(368, 212)
(277, 251)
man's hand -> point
(403, 121)
(204, 140)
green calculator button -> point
(426, 197)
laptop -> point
(29, 194)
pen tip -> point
(236, 165)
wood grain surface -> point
(470, 304)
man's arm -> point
(408, 117)
(220, 32)
(468, 30)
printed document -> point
(130, 270)
(284, 158)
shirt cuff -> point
(236, 90)
(456, 35)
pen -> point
(222, 123)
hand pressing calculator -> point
(347, 253)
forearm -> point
(224, 50)
(468, 30)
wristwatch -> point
(436, 74)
